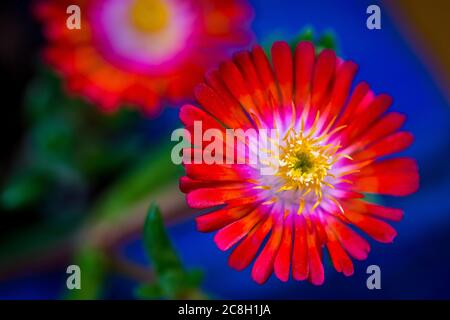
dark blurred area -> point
(19, 54)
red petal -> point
(396, 177)
(236, 84)
(189, 114)
(341, 260)
(300, 266)
(283, 67)
(245, 64)
(210, 197)
(316, 272)
(228, 236)
(361, 90)
(384, 212)
(366, 116)
(282, 264)
(220, 218)
(187, 184)
(375, 210)
(323, 76)
(385, 126)
(391, 144)
(263, 267)
(266, 76)
(341, 88)
(227, 112)
(353, 243)
(245, 251)
(304, 66)
(213, 172)
(377, 229)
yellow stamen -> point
(262, 188)
(301, 206)
(271, 201)
(305, 163)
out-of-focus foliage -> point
(92, 265)
(326, 40)
(68, 148)
(77, 167)
(173, 281)
(152, 171)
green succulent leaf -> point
(158, 246)
(148, 291)
(307, 34)
(23, 189)
(327, 41)
(173, 281)
(92, 263)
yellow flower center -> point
(150, 16)
(305, 166)
(304, 163)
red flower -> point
(332, 147)
(141, 52)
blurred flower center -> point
(150, 16)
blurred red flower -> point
(332, 147)
(141, 52)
